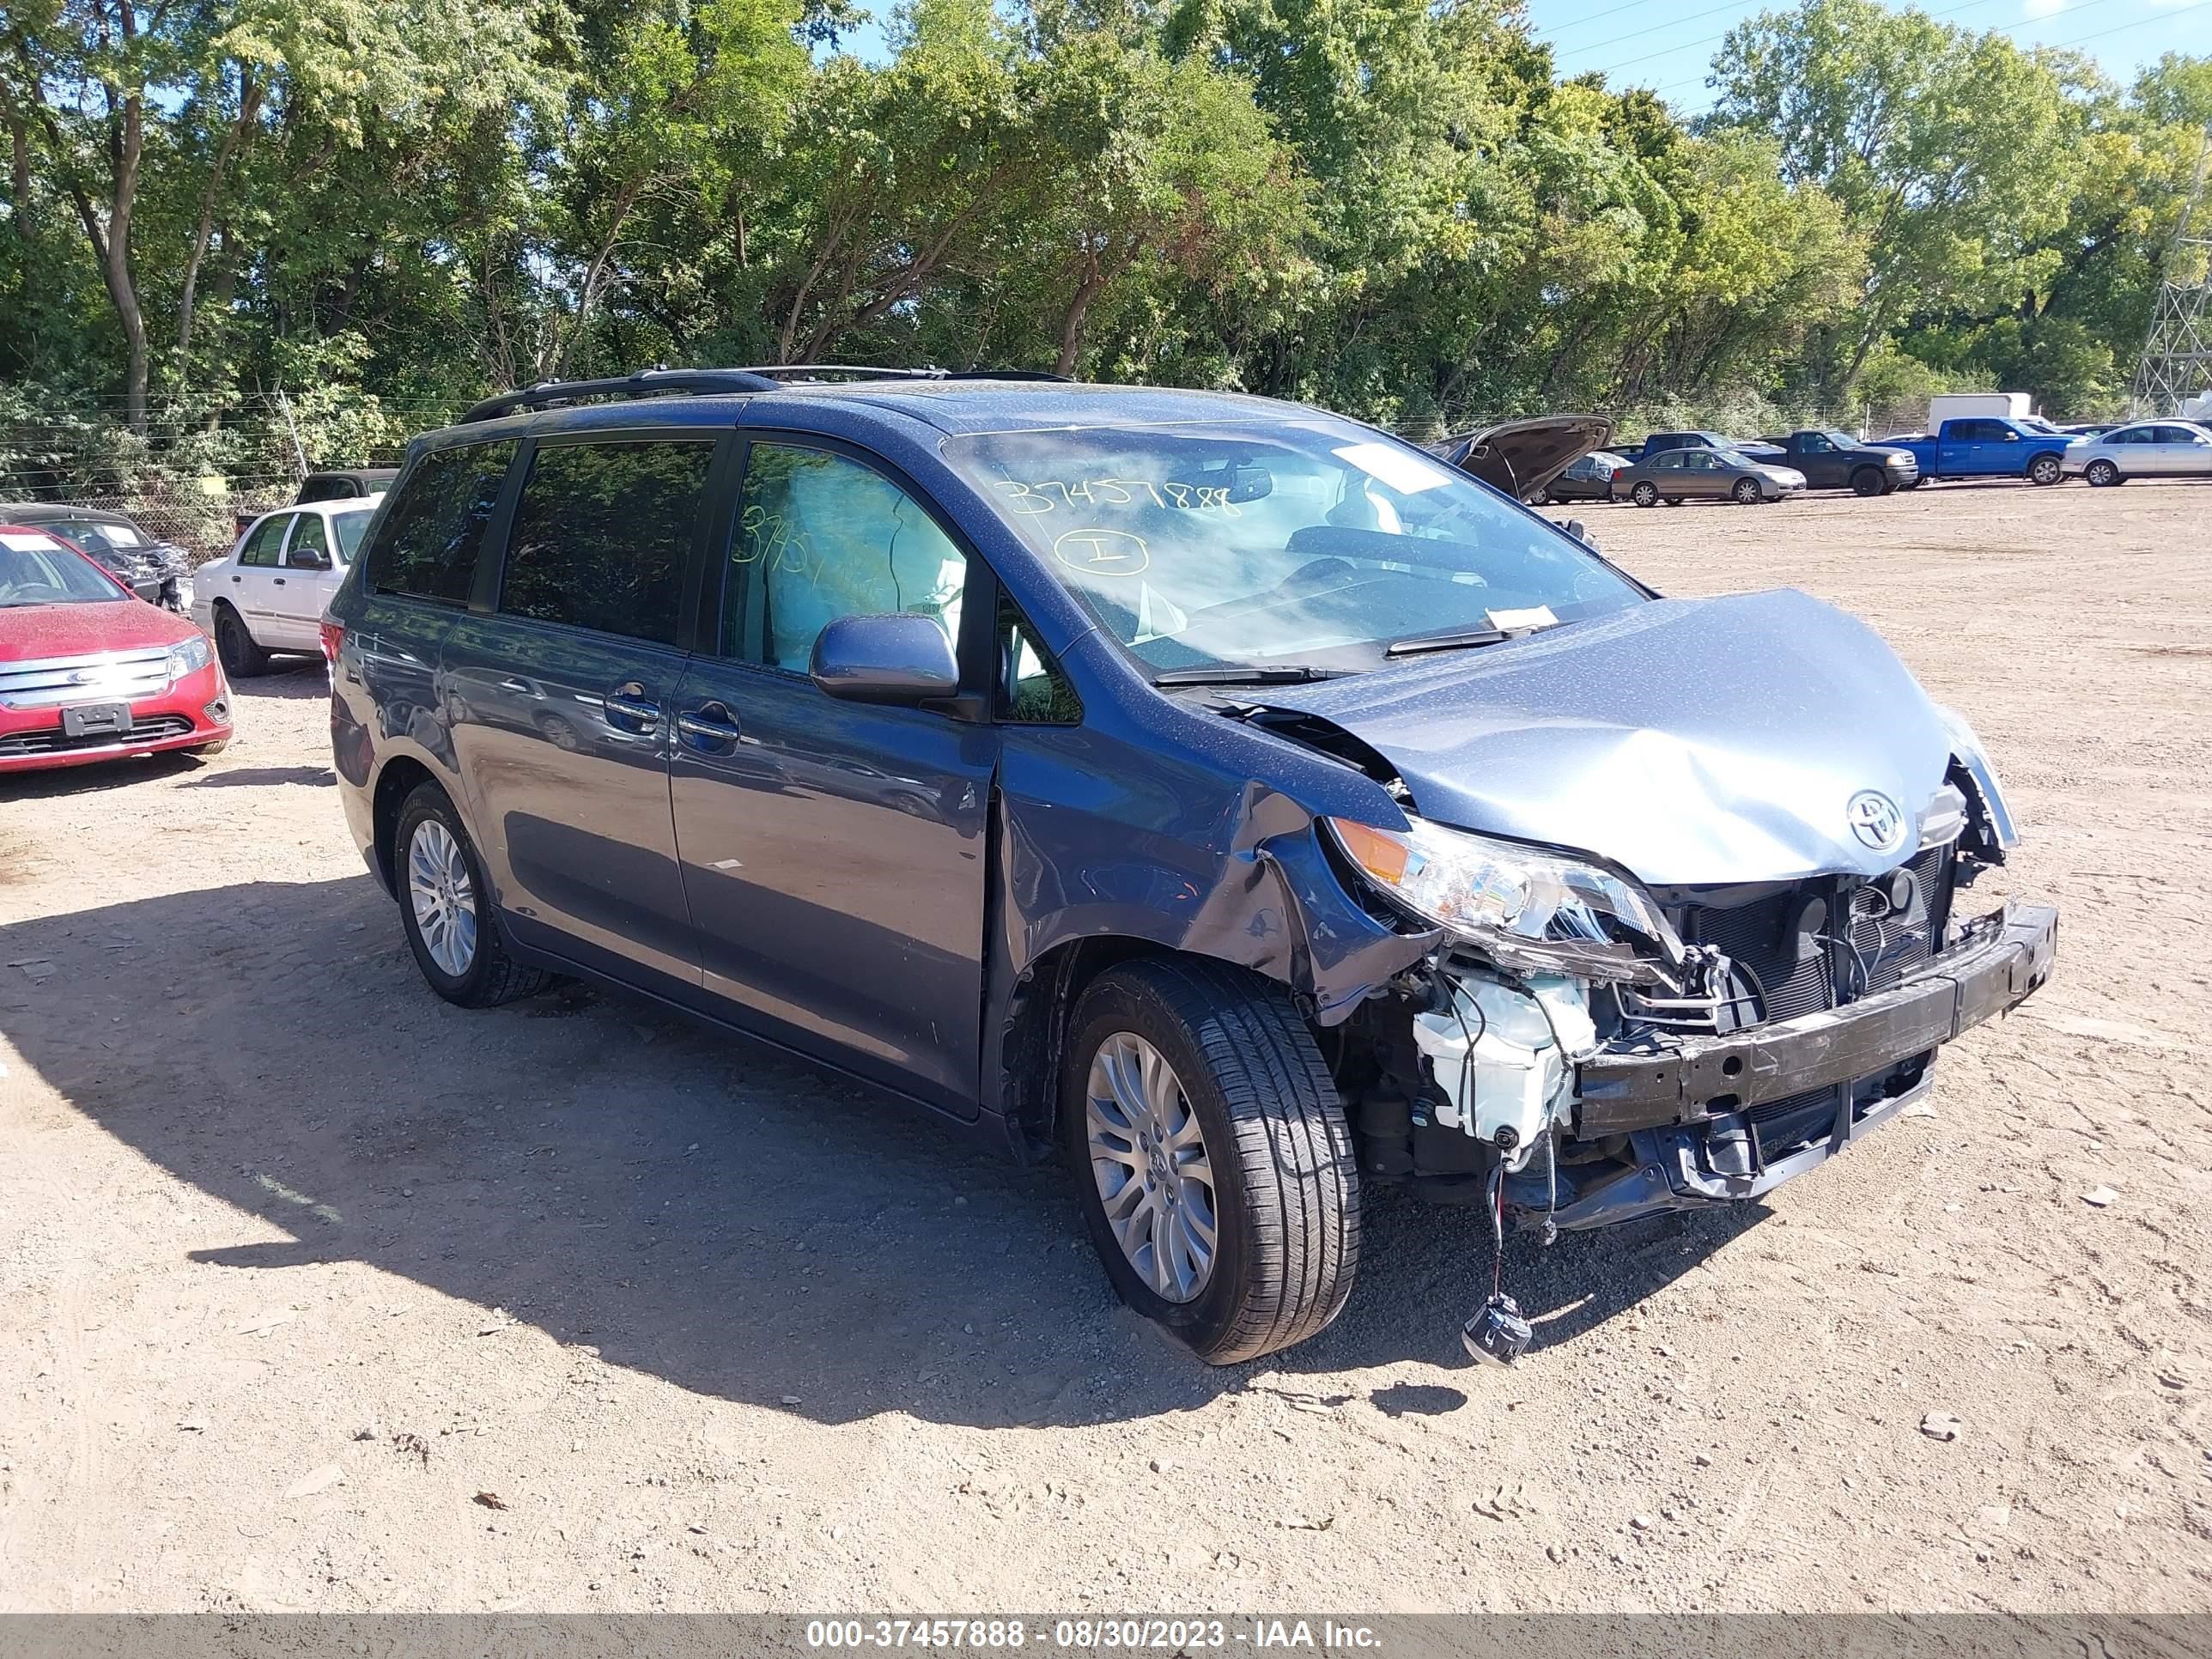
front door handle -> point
(710, 722)
(235, 577)
(629, 702)
(280, 581)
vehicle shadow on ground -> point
(93, 777)
(742, 1225)
(244, 777)
(289, 678)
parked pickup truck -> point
(1835, 460)
(1985, 446)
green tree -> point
(1953, 155)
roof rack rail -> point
(707, 382)
(872, 372)
(647, 383)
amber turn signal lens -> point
(1377, 852)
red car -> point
(88, 671)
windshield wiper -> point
(1446, 641)
(1245, 674)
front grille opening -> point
(1810, 946)
(148, 729)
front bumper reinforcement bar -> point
(1994, 965)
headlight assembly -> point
(190, 657)
(1528, 907)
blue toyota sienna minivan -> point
(1236, 799)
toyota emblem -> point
(1876, 820)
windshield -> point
(104, 541)
(1310, 543)
(349, 526)
(36, 569)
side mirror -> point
(903, 658)
(1580, 532)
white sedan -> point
(2149, 449)
(268, 593)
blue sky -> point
(1668, 45)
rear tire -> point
(1645, 494)
(2103, 474)
(445, 908)
(1283, 1188)
(1869, 481)
(234, 643)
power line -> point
(1730, 5)
(2072, 5)
(1599, 16)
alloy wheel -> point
(1149, 1158)
(442, 897)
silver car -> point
(1675, 475)
(2149, 449)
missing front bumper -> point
(1998, 962)
(1721, 1121)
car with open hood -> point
(90, 672)
(1522, 458)
(1223, 795)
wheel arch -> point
(398, 778)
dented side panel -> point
(1145, 824)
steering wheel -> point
(22, 593)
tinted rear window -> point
(434, 527)
(602, 532)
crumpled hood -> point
(1686, 740)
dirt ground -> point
(316, 1293)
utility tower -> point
(2177, 358)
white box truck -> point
(1958, 405)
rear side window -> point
(433, 528)
(260, 547)
(325, 489)
(602, 533)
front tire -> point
(2103, 474)
(445, 908)
(242, 658)
(1746, 491)
(1645, 494)
(1210, 1156)
(1869, 481)
(2045, 470)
